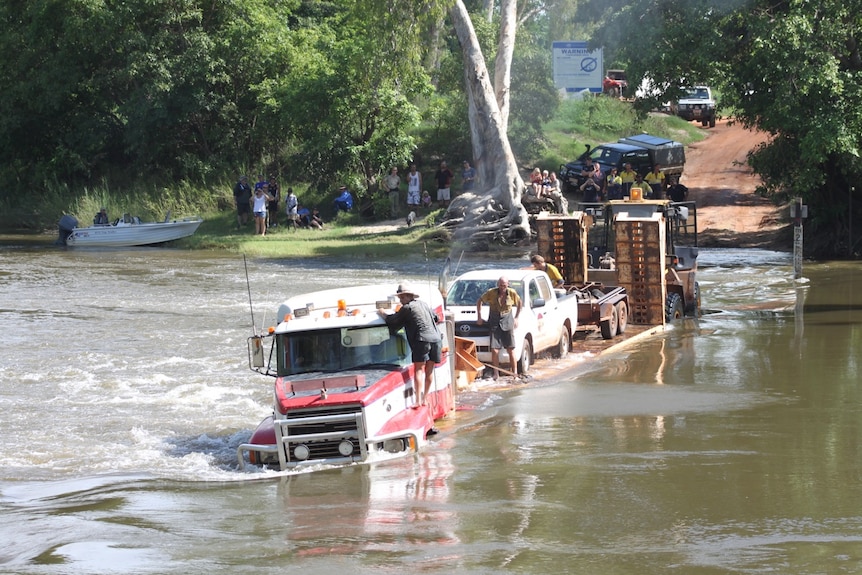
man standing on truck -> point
(420, 326)
(505, 304)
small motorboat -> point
(126, 232)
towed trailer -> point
(602, 306)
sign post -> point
(798, 213)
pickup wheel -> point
(609, 326)
(563, 346)
(622, 317)
(673, 307)
(526, 360)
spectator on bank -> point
(655, 179)
(628, 176)
(272, 208)
(614, 185)
(291, 205)
(592, 191)
(641, 183)
(414, 184)
(555, 192)
(426, 199)
(468, 177)
(242, 199)
(443, 176)
(344, 201)
(677, 192)
(535, 187)
(259, 202)
(392, 182)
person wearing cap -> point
(553, 272)
(420, 325)
(505, 304)
(242, 198)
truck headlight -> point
(301, 452)
(345, 448)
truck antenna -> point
(248, 285)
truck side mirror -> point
(538, 302)
(256, 353)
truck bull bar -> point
(329, 439)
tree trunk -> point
(493, 212)
(503, 64)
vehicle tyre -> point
(704, 122)
(609, 326)
(696, 310)
(622, 317)
(526, 360)
(563, 346)
(673, 307)
(712, 121)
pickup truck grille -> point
(471, 329)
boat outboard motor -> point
(66, 225)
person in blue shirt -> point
(344, 201)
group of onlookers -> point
(598, 186)
(262, 202)
(416, 196)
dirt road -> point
(729, 212)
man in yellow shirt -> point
(554, 274)
(628, 177)
(505, 304)
(655, 179)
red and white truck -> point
(343, 389)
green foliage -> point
(790, 69)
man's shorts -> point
(427, 351)
(443, 194)
(243, 209)
(502, 338)
(413, 198)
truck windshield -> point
(468, 292)
(606, 156)
(334, 350)
(698, 94)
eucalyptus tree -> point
(791, 69)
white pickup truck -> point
(548, 318)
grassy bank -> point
(575, 124)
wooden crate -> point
(562, 241)
(640, 259)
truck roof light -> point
(326, 315)
(271, 330)
(342, 304)
(301, 312)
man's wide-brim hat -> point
(406, 288)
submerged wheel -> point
(609, 326)
(622, 317)
(562, 348)
(526, 358)
(673, 307)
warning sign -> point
(576, 68)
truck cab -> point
(698, 104)
(343, 388)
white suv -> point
(699, 105)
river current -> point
(730, 443)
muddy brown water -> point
(728, 444)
